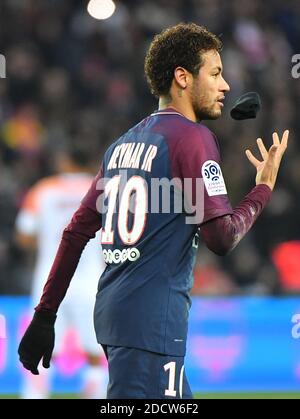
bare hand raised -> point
(267, 169)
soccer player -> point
(47, 208)
(142, 304)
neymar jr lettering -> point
(128, 155)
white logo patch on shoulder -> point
(213, 178)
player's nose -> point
(224, 86)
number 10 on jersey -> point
(135, 189)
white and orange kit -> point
(46, 211)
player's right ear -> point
(181, 77)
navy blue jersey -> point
(148, 245)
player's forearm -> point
(222, 234)
(83, 227)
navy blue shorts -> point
(139, 374)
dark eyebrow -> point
(218, 68)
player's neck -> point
(180, 106)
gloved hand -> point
(38, 341)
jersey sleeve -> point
(197, 159)
(92, 199)
(222, 234)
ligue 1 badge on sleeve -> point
(213, 178)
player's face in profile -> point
(209, 88)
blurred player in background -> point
(47, 208)
(142, 305)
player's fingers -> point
(30, 367)
(252, 159)
(285, 139)
(275, 137)
(271, 155)
(262, 148)
(35, 371)
(47, 358)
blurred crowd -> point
(73, 79)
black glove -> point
(38, 341)
(246, 107)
